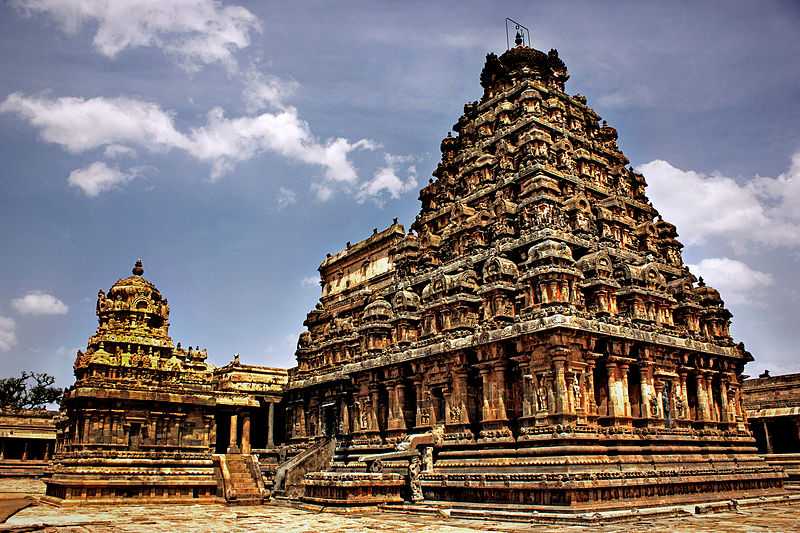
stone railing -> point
(289, 475)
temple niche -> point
(147, 420)
(535, 338)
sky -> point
(231, 145)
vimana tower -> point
(534, 339)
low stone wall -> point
(353, 488)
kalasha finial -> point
(138, 269)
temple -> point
(148, 420)
(534, 339)
(534, 342)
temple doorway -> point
(134, 436)
(437, 399)
(223, 421)
(329, 419)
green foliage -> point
(32, 390)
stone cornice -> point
(510, 332)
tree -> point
(32, 390)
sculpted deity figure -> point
(542, 396)
(414, 468)
(364, 413)
(654, 405)
(424, 416)
(101, 301)
(576, 388)
(680, 406)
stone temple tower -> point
(536, 337)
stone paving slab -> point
(285, 518)
(280, 518)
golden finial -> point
(138, 269)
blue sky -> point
(231, 145)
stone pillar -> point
(712, 403)
(591, 405)
(499, 368)
(645, 373)
(2, 449)
(611, 400)
(702, 400)
(494, 422)
(766, 436)
(234, 434)
(395, 420)
(423, 411)
(374, 395)
(626, 402)
(344, 416)
(486, 405)
(246, 433)
(457, 417)
(178, 432)
(562, 398)
(684, 396)
(528, 395)
(724, 417)
(271, 426)
(25, 451)
(210, 434)
(87, 424)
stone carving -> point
(145, 399)
(414, 469)
(654, 410)
(582, 286)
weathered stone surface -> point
(537, 324)
(145, 417)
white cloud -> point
(8, 333)
(286, 197)
(97, 177)
(322, 191)
(704, 207)
(114, 151)
(266, 92)
(310, 281)
(386, 181)
(39, 303)
(736, 281)
(195, 32)
(83, 124)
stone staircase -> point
(366, 475)
(242, 480)
(288, 477)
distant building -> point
(773, 409)
(27, 441)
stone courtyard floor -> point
(279, 518)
